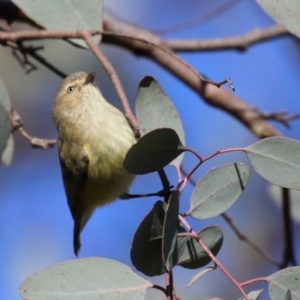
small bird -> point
(94, 138)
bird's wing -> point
(74, 173)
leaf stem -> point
(193, 234)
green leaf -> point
(86, 278)
(193, 255)
(218, 190)
(153, 151)
(155, 110)
(170, 230)
(275, 193)
(282, 281)
(72, 15)
(199, 275)
(253, 295)
(285, 12)
(277, 159)
(146, 249)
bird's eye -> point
(70, 89)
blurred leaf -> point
(5, 124)
(153, 151)
(218, 190)
(4, 97)
(285, 12)
(146, 249)
(155, 110)
(199, 275)
(86, 278)
(8, 152)
(170, 230)
(65, 15)
(252, 295)
(5, 128)
(193, 256)
(282, 281)
(275, 193)
(277, 159)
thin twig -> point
(34, 141)
(114, 78)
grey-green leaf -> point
(153, 151)
(5, 128)
(170, 230)
(218, 190)
(85, 279)
(199, 275)
(253, 295)
(282, 281)
(5, 124)
(277, 159)
(4, 97)
(155, 110)
(285, 12)
(65, 15)
(193, 256)
(8, 152)
(146, 249)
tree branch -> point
(241, 42)
(115, 80)
(212, 95)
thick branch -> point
(212, 95)
(241, 42)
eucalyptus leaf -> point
(155, 110)
(282, 281)
(146, 248)
(277, 159)
(170, 230)
(4, 97)
(193, 255)
(85, 279)
(199, 275)
(253, 295)
(5, 128)
(153, 151)
(218, 190)
(74, 15)
(8, 152)
(285, 12)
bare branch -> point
(214, 96)
(114, 78)
(241, 42)
(34, 141)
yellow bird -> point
(94, 138)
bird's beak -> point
(90, 78)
